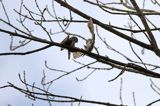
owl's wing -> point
(64, 41)
(72, 43)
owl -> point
(69, 41)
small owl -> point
(69, 41)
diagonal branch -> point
(25, 53)
(147, 28)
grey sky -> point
(96, 87)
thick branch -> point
(102, 59)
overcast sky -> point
(96, 87)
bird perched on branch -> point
(69, 41)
